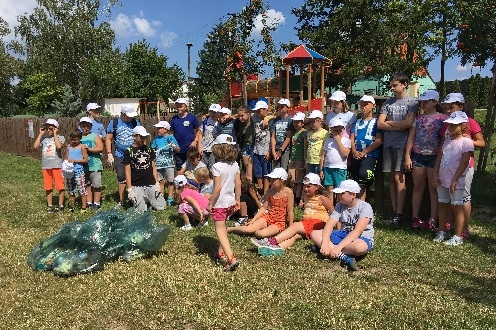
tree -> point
(68, 105)
(43, 90)
(477, 43)
(366, 38)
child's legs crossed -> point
(259, 224)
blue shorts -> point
(247, 150)
(333, 176)
(420, 160)
(313, 168)
(261, 167)
(338, 235)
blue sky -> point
(170, 24)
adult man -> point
(185, 127)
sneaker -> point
(202, 224)
(187, 227)
(170, 202)
(260, 242)
(271, 250)
(440, 236)
(416, 222)
(241, 222)
(231, 265)
(448, 226)
(429, 225)
(71, 209)
(395, 220)
(96, 206)
(465, 234)
(454, 241)
(49, 208)
(350, 263)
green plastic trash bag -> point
(77, 261)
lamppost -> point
(189, 44)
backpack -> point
(134, 123)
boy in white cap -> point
(93, 144)
(51, 161)
(261, 150)
(279, 132)
(141, 173)
(396, 117)
(165, 145)
(94, 112)
(356, 234)
(206, 136)
(185, 127)
(120, 131)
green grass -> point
(407, 282)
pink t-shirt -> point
(452, 155)
(473, 128)
(202, 200)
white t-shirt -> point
(227, 173)
(333, 158)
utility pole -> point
(189, 44)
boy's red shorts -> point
(50, 175)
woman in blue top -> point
(185, 129)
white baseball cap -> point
(338, 96)
(347, 185)
(92, 106)
(316, 114)
(163, 124)
(140, 130)
(312, 178)
(180, 180)
(52, 122)
(128, 110)
(214, 107)
(261, 105)
(454, 98)
(225, 111)
(224, 139)
(85, 120)
(429, 94)
(335, 122)
(278, 173)
(284, 102)
(182, 100)
(299, 116)
(367, 98)
(457, 117)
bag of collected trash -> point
(77, 261)
(145, 234)
(45, 252)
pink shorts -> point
(186, 208)
(221, 214)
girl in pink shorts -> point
(192, 204)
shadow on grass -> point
(206, 245)
(476, 289)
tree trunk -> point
(489, 125)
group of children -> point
(295, 161)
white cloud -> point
(10, 9)
(144, 27)
(167, 39)
(122, 26)
(461, 68)
(125, 26)
(271, 17)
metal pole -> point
(189, 44)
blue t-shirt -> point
(365, 132)
(124, 135)
(281, 126)
(184, 130)
(227, 128)
(98, 128)
(164, 152)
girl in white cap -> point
(340, 109)
(451, 168)
(277, 208)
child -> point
(225, 198)
(185, 127)
(421, 148)
(356, 236)
(280, 127)
(456, 102)
(341, 110)
(261, 151)
(51, 162)
(450, 171)
(225, 123)
(93, 144)
(165, 145)
(192, 164)
(206, 139)
(366, 140)
(278, 205)
(94, 113)
(396, 117)
(141, 173)
(245, 135)
(192, 203)
(249, 202)
(314, 142)
(296, 165)
(334, 158)
(317, 207)
(77, 155)
(203, 177)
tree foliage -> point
(67, 104)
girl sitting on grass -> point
(356, 236)
(271, 217)
(317, 207)
(193, 203)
